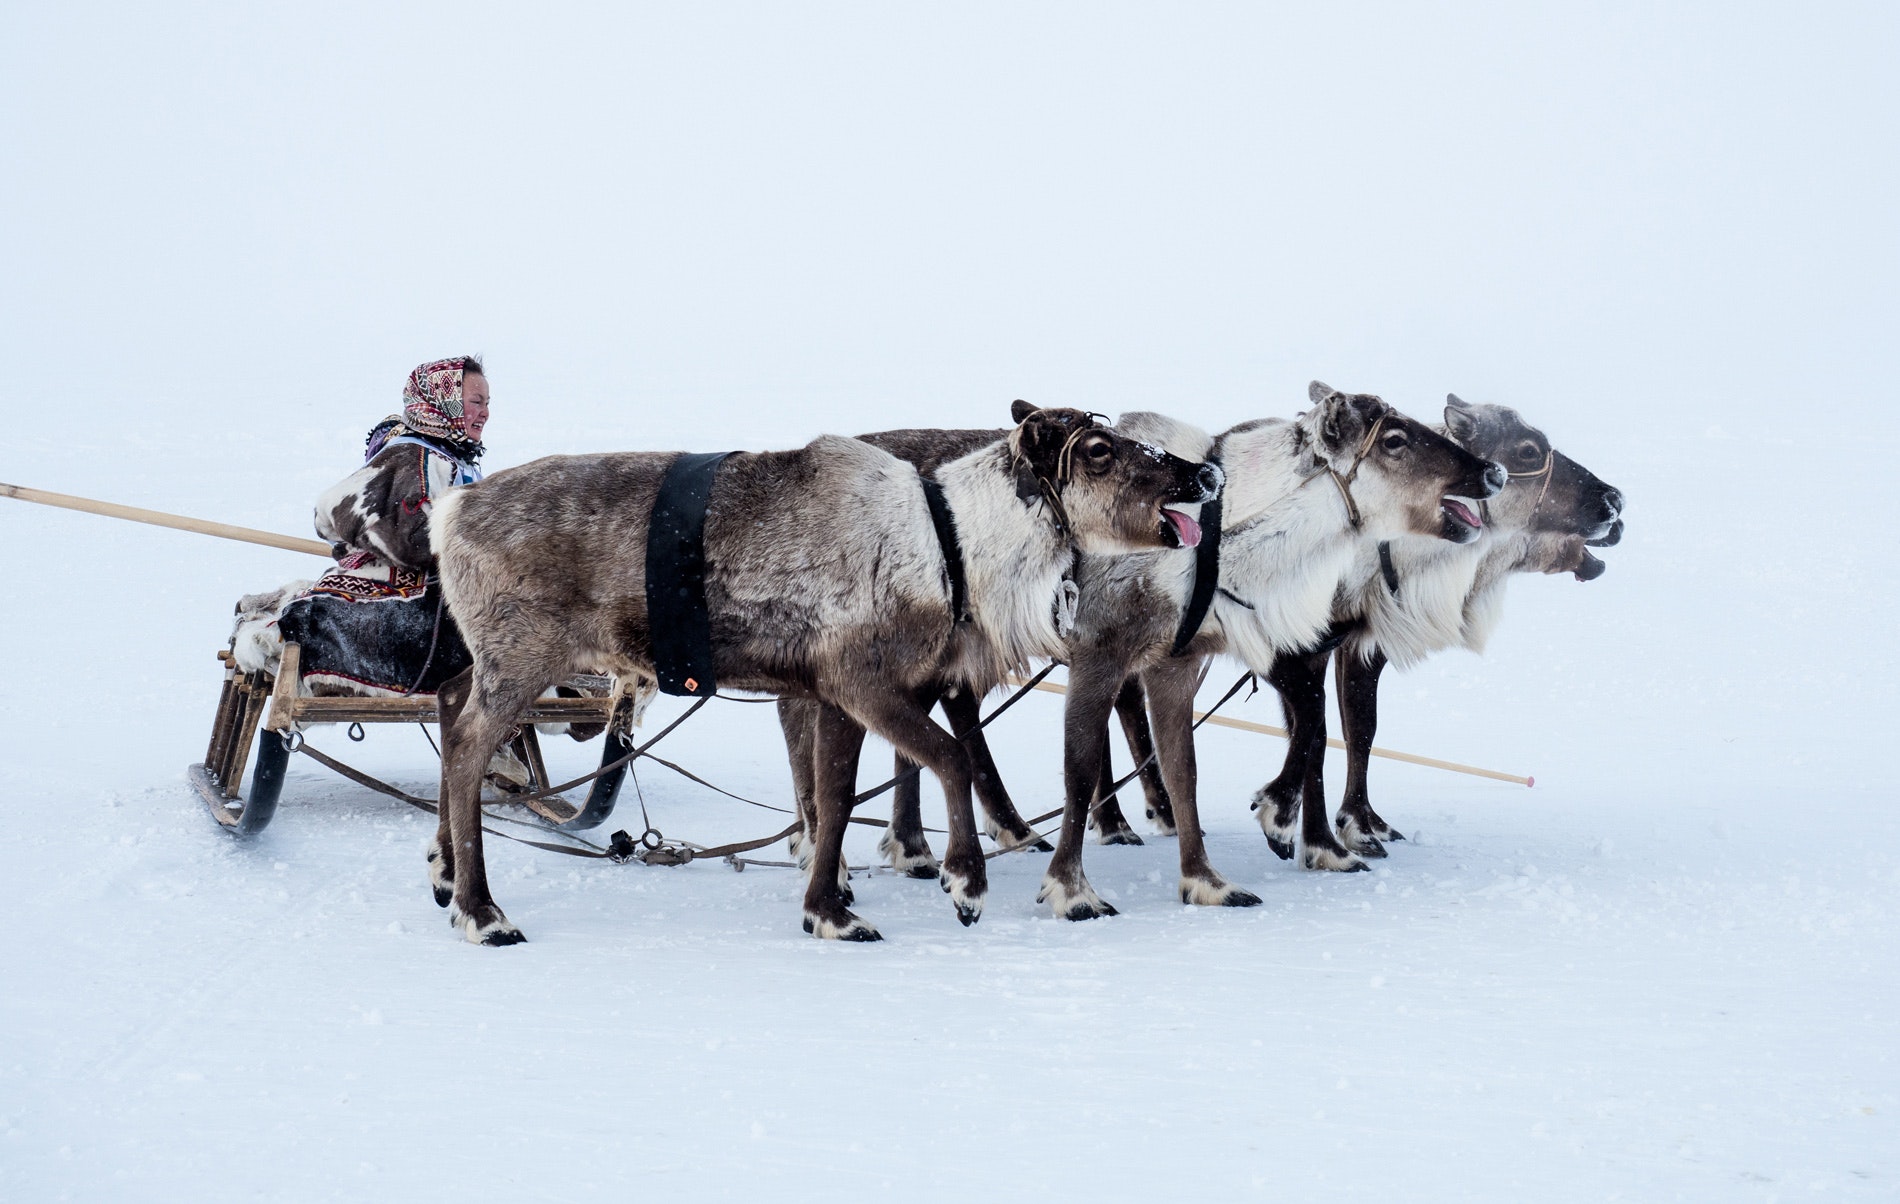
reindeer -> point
(1405, 600)
(825, 577)
(1303, 498)
(903, 843)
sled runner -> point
(269, 711)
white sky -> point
(738, 225)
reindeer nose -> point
(1494, 478)
(1613, 501)
(1210, 478)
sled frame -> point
(265, 709)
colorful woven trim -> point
(362, 577)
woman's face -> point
(474, 404)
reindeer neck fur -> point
(1450, 595)
(1436, 578)
(1014, 561)
(1284, 544)
(1484, 605)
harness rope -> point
(651, 847)
(1102, 796)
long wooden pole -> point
(158, 518)
(1390, 755)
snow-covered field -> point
(1666, 972)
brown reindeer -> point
(825, 577)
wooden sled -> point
(268, 710)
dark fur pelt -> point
(351, 647)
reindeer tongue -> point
(1185, 527)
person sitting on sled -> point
(375, 623)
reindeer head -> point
(1110, 492)
(1396, 475)
(1560, 504)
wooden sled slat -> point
(274, 704)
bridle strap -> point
(1344, 483)
(1550, 462)
(1065, 471)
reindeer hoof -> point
(485, 926)
(1025, 839)
(1164, 824)
(1117, 836)
(1361, 840)
(843, 927)
(966, 890)
(1338, 861)
(441, 880)
(1073, 902)
(912, 863)
(1282, 847)
(1215, 892)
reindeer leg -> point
(903, 843)
(450, 698)
(798, 720)
(897, 717)
(1320, 849)
(1002, 822)
(1170, 691)
(479, 722)
(1302, 696)
(1131, 707)
(838, 740)
(1358, 683)
(1111, 826)
(1091, 696)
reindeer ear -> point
(1019, 410)
(1039, 438)
(1318, 391)
(1344, 418)
(1460, 419)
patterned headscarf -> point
(432, 401)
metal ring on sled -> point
(267, 710)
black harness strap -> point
(946, 524)
(676, 576)
(1206, 578)
(1386, 568)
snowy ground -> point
(1665, 972)
(1665, 233)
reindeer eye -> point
(1528, 452)
(1098, 451)
(1396, 441)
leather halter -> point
(1065, 472)
(1344, 483)
(1550, 462)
